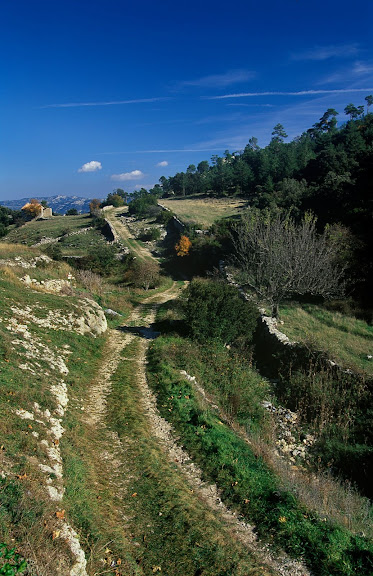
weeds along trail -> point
(208, 493)
(149, 481)
(156, 493)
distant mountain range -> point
(59, 204)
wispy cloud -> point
(92, 166)
(299, 93)
(320, 53)
(134, 175)
(220, 80)
(163, 163)
(362, 68)
(353, 72)
(159, 151)
(106, 103)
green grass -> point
(33, 231)
(246, 481)
(79, 244)
(26, 512)
(345, 339)
(171, 527)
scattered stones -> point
(89, 317)
(35, 356)
(32, 263)
(54, 286)
(287, 432)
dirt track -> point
(113, 449)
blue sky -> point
(104, 94)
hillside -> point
(59, 204)
(123, 453)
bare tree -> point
(280, 258)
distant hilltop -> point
(59, 204)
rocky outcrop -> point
(23, 263)
(93, 319)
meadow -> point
(204, 211)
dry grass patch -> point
(8, 251)
(204, 211)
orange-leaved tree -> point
(94, 208)
(33, 208)
(183, 246)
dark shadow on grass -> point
(146, 332)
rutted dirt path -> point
(123, 231)
(113, 448)
(139, 326)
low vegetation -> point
(54, 227)
(237, 466)
(345, 339)
(201, 369)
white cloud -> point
(146, 186)
(320, 53)
(362, 68)
(92, 166)
(134, 175)
(163, 163)
(221, 80)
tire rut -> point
(115, 452)
(208, 493)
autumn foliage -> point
(183, 246)
(33, 208)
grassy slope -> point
(203, 211)
(345, 339)
(33, 231)
(166, 526)
(242, 474)
(27, 515)
(60, 226)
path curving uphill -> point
(118, 466)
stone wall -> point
(174, 222)
(109, 232)
(274, 350)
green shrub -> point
(205, 254)
(150, 234)
(213, 309)
(53, 251)
(100, 259)
(14, 565)
(165, 216)
(144, 206)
